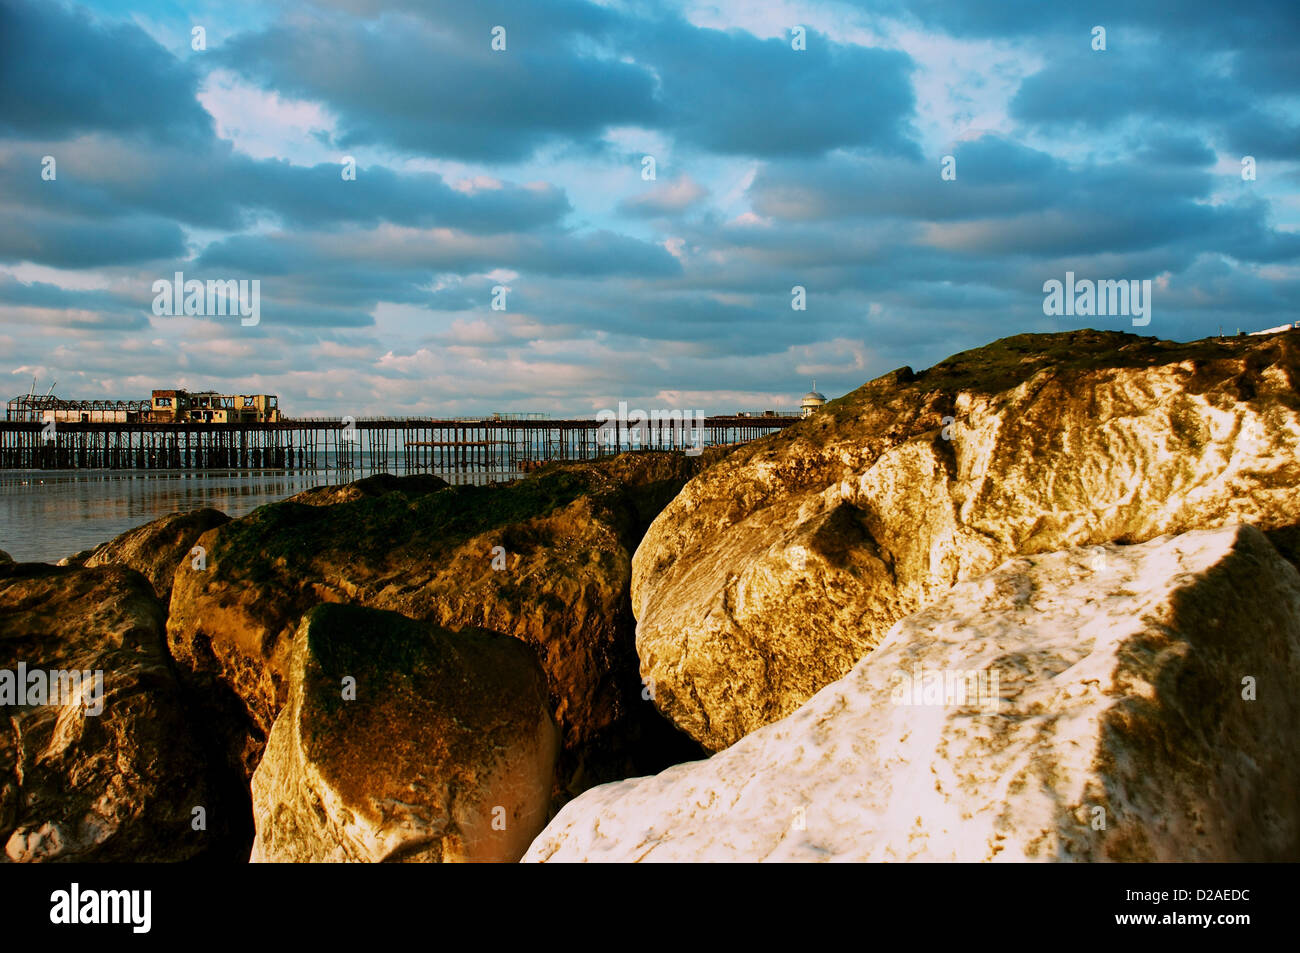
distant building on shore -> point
(209, 407)
(812, 402)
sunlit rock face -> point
(1118, 703)
(403, 741)
(104, 760)
(546, 560)
(775, 570)
(158, 547)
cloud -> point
(475, 168)
(437, 88)
(63, 73)
(665, 198)
(212, 186)
(71, 243)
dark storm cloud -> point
(62, 73)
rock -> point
(77, 560)
(376, 485)
(445, 752)
(1146, 710)
(776, 569)
(560, 583)
(5, 557)
(158, 547)
(112, 771)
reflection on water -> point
(48, 514)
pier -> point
(377, 444)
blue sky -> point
(522, 168)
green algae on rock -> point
(403, 741)
(559, 582)
(376, 485)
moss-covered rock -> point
(126, 775)
(376, 485)
(405, 741)
(546, 559)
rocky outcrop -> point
(5, 557)
(158, 547)
(779, 567)
(1116, 703)
(106, 766)
(376, 485)
(402, 741)
(546, 559)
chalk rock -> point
(776, 569)
(1145, 708)
(444, 751)
(109, 766)
(158, 547)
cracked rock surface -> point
(559, 582)
(123, 784)
(1144, 709)
(776, 569)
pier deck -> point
(375, 444)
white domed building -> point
(811, 402)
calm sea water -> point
(48, 514)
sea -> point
(48, 514)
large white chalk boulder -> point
(1127, 703)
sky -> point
(919, 169)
